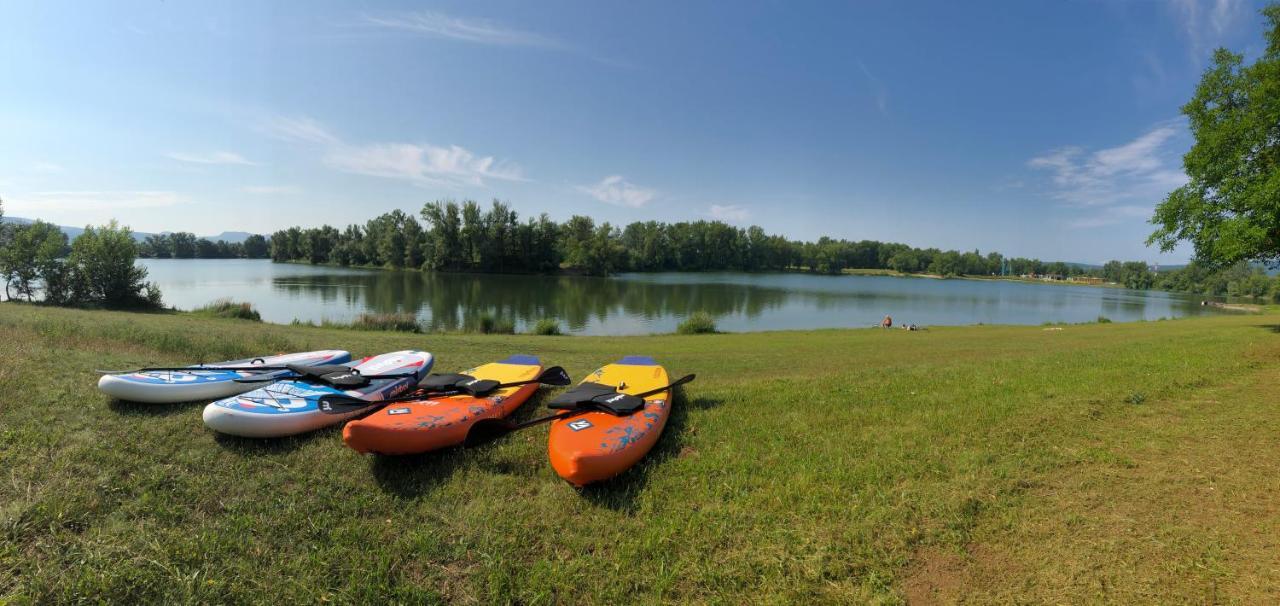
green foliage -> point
(1104, 320)
(698, 323)
(397, 322)
(1238, 280)
(1230, 208)
(102, 271)
(1135, 398)
(31, 256)
(489, 324)
(185, 245)
(547, 327)
(226, 308)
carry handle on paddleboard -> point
(487, 430)
(339, 404)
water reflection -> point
(645, 303)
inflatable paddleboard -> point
(433, 423)
(595, 446)
(165, 386)
(291, 406)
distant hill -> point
(231, 237)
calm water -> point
(649, 303)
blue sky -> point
(1045, 129)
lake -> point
(632, 304)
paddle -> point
(487, 430)
(192, 369)
(338, 404)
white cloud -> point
(418, 163)
(270, 189)
(1111, 215)
(423, 164)
(300, 129)
(217, 157)
(1143, 170)
(38, 203)
(729, 212)
(1206, 22)
(479, 31)
(616, 190)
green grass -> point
(547, 327)
(988, 464)
(489, 324)
(394, 322)
(698, 323)
(226, 308)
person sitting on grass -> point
(887, 322)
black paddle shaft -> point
(488, 430)
(337, 405)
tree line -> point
(447, 236)
(185, 245)
(97, 269)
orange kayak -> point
(433, 423)
(596, 446)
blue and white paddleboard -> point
(207, 383)
(292, 406)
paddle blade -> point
(554, 376)
(487, 430)
(341, 405)
(479, 387)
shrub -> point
(226, 308)
(1104, 320)
(547, 327)
(699, 322)
(399, 322)
(102, 271)
(490, 324)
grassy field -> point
(1122, 463)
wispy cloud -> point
(37, 203)
(1118, 183)
(478, 31)
(217, 157)
(878, 89)
(270, 189)
(730, 212)
(616, 190)
(1206, 22)
(296, 129)
(1111, 215)
(422, 163)
(417, 163)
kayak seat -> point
(598, 396)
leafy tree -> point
(183, 245)
(256, 247)
(206, 249)
(103, 272)
(156, 246)
(31, 252)
(1230, 208)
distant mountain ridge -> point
(230, 237)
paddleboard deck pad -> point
(291, 406)
(433, 423)
(206, 383)
(595, 446)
